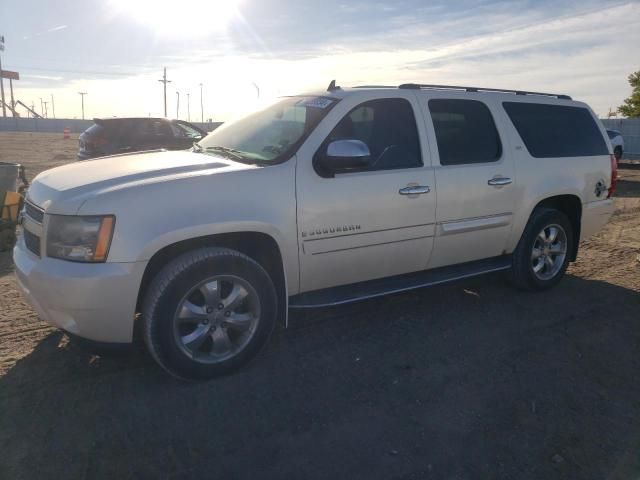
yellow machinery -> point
(11, 201)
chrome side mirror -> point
(344, 155)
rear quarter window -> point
(94, 129)
(612, 134)
(556, 130)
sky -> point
(247, 52)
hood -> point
(64, 189)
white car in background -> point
(617, 142)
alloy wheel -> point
(216, 319)
(549, 252)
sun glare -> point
(179, 18)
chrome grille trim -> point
(35, 213)
(32, 242)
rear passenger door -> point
(475, 180)
(151, 134)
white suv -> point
(319, 199)
(617, 142)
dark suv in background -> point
(110, 136)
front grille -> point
(36, 214)
(32, 241)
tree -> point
(631, 107)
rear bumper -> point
(93, 301)
(595, 216)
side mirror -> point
(344, 155)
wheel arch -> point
(571, 206)
(259, 246)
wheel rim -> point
(549, 251)
(216, 319)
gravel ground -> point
(463, 381)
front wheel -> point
(542, 255)
(208, 312)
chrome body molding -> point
(471, 224)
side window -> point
(183, 130)
(160, 128)
(465, 132)
(556, 130)
(388, 127)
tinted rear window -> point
(612, 134)
(94, 129)
(556, 130)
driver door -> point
(364, 223)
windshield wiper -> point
(197, 147)
(235, 154)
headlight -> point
(79, 239)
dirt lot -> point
(466, 381)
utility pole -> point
(46, 112)
(201, 106)
(41, 107)
(82, 94)
(4, 108)
(13, 103)
(53, 107)
(164, 81)
(188, 107)
(178, 105)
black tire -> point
(7, 238)
(522, 271)
(169, 289)
(617, 152)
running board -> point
(355, 292)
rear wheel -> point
(617, 152)
(542, 255)
(208, 312)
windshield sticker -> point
(318, 102)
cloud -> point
(584, 49)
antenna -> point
(332, 86)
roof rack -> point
(375, 86)
(419, 86)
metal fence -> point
(630, 130)
(57, 125)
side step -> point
(355, 292)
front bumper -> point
(94, 301)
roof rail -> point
(375, 86)
(419, 86)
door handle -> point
(414, 190)
(499, 181)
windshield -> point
(269, 135)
